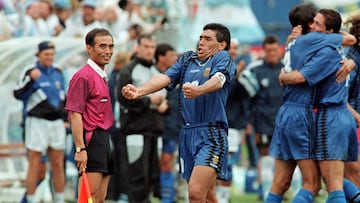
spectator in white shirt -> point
(81, 23)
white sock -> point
(223, 193)
(30, 198)
(59, 197)
(266, 173)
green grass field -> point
(238, 194)
(251, 198)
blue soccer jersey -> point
(308, 45)
(321, 71)
(203, 139)
(302, 51)
(354, 82)
(299, 99)
(210, 107)
(333, 119)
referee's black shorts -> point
(100, 157)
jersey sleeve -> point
(318, 67)
(223, 64)
(25, 85)
(77, 95)
(318, 40)
(176, 70)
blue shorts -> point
(336, 135)
(294, 133)
(169, 145)
(205, 145)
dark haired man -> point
(302, 147)
(204, 78)
(90, 114)
(142, 122)
(265, 104)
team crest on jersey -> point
(206, 72)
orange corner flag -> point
(84, 194)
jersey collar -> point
(96, 68)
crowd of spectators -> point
(125, 19)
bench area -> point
(13, 164)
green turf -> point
(251, 198)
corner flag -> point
(84, 194)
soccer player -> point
(204, 78)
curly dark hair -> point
(354, 23)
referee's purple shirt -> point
(88, 94)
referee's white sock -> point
(30, 198)
(59, 197)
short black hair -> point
(90, 36)
(332, 19)
(222, 33)
(137, 28)
(122, 4)
(145, 36)
(302, 14)
(270, 39)
(161, 50)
